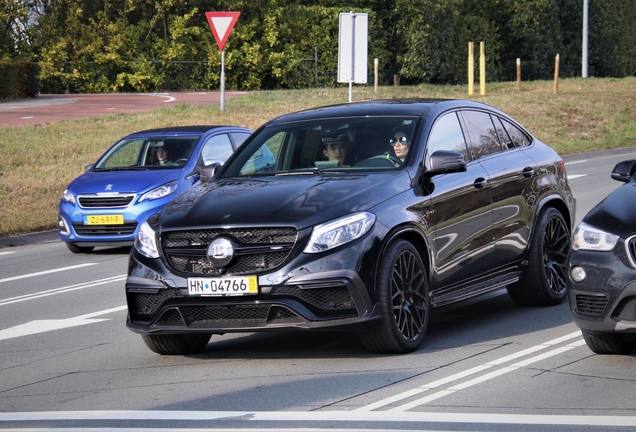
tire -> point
(177, 344)
(79, 249)
(402, 294)
(544, 283)
(610, 343)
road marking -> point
(41, 326)
(575, 162)
(304, 416)
(6, 253)
(169, 98)
(27, 117)
(462, 374)
(571, 177)
(46, 272)
(61, 290)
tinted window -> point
(217, 148)
(519, 138)
(504, 138)
(482, 136)
(447, 135)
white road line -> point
(575, 162)
(304, 416)
(571, 177)
(46, 272)
(41, 326)
(6, 253)
(466, 373)
(169, 98)
(61, 290)
(487, 377)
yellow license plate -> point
(117, 219)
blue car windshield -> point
(148, 153)
(345, 144)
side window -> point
(239, 137)
(482, 137)
(504, 138)
(446, 134)
(217, 148)
(519, 138)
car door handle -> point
(480, 183)
(528, 172)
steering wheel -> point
(181, 161)
(384, 160)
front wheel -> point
(610, 343)
(544, 281)
(78, 249)
(402, 294)
(177, 344)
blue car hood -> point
(299, 201)
(122, 181)
(617, 212)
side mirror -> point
(623, 171)
(89, 167)
(445, 161)
(208, 171)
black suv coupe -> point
(372, 214)
(602, 269)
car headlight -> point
(587, 237)
(160, 192)
(68, 196)
(339, 231)
(146, 242)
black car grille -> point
(258, 250)
(107, 201)
(336, 298)
(588, 304)
(148, 304)
(104, 230)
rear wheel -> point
(177, 344)
(544, 281)
(79, 249)
(402, 292)
(610, 343)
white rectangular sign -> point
(352, 48)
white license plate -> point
(223, 287)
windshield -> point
(333, 144)
(148, 153)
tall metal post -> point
(353, 53)
(222, 80)
(584, 56)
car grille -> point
(337, 298)
(258, 250)
(630, 245)
(148, 304)
(105, 201)
(104, 230)
(591, 304)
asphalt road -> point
(67, 360)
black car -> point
(602, 269)
(374, 213)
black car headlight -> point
(339, 231)
(587, 237)
(145, 241)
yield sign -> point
(222, 24)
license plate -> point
(223, 287)
(117, 219)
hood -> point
(299, 201)
(616, 213)
(122, 181)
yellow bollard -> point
(471, 69)
(482, 70)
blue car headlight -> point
(68, 196)
(339, 231)
(587, 237)
(146, 241)
(160, 192)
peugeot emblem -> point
(220, 252)
(109, 187)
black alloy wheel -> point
(544, 281)
(402, 294)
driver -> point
(335, 148)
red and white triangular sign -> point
(222, 24)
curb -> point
(29, 239)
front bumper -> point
(605, 301)
(310, 291)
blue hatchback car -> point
(136, 177)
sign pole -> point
(353, 54)
(222, 80)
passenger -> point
(400, 144)
(335, 149)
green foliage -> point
(19, 80)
